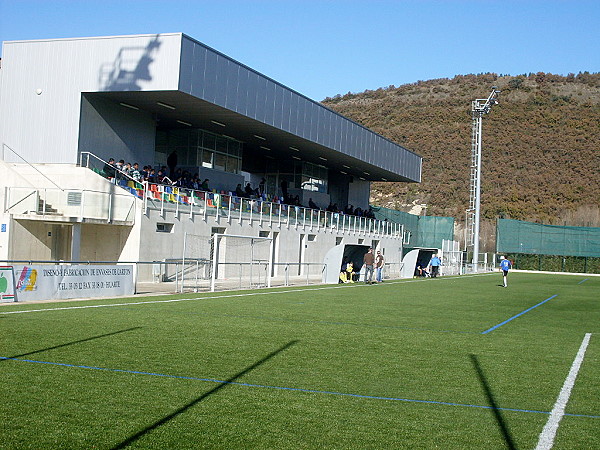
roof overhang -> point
(175, 109)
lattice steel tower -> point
(479, 107)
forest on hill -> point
(541, 145)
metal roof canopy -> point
(202, 114)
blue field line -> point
(583, 281)
(283, 388)
(520, 314)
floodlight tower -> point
(479, 107)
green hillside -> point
(541, 144)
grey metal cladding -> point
(294, 102)
(261, 99)
(301, 126)
(270, 103)
(209, 91)
(216, 78)
(286, 111)
(198, 71)
(237, 95)
(232, 100)
(186, 73)
(252, 86)
(222, 73)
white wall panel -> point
(44, 127)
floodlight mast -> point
(479, 107)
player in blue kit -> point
(505, 266)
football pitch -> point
(452, 362)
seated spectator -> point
(418, 271)
(421, 272)
(350, 272)
(311, 204)
(249, 191)
(204, 185)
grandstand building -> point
(69, 105)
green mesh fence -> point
(432, 230)
(516, 236)
(426, 231)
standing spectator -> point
(262, 186)
(239, 191)
(172, 163)
(135, 172)
(435, 266)
(109, 168)
(379, 263)
(369, 260)
(505, 266)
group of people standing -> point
(373, 265)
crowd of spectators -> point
(121, 170)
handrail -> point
(21, 200)
(326, 221)
(121, 173)
(31, 165)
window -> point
(164, 227)
(197, 147)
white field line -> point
(546, 440)
(269, 292)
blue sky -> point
(326, 47)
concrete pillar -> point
(76, 242)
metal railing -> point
(179, 200)
(79, 203)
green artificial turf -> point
(396, 365)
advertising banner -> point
(38, 282)
(7, 284)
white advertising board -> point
(7, 284)
(37, 282)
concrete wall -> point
(358, 193)
(109, 131)
(293, 244)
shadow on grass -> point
(100, 336)
(492, 402)
(184, 408)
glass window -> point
(221, 144)
(199, 148)
(207, 159)
(209, 141)
(232, 164)
(220, 161)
